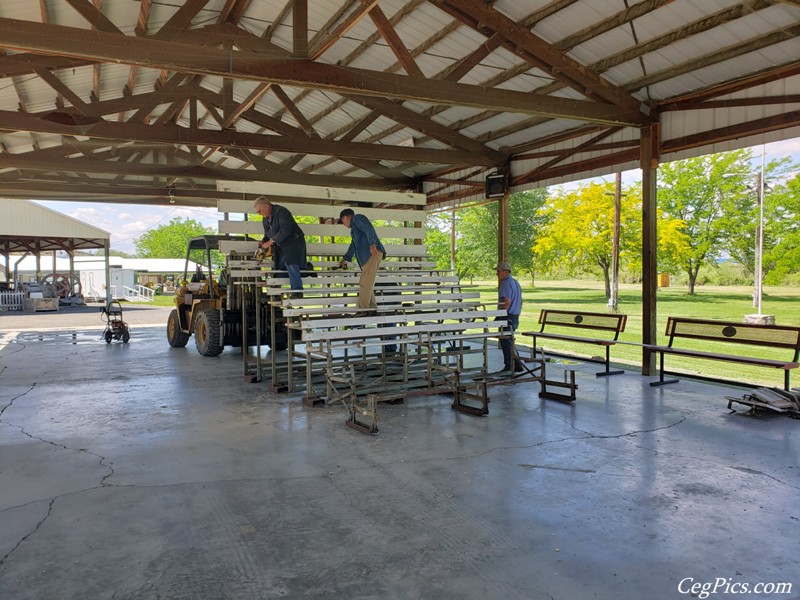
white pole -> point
(613, 301)
(760, 235)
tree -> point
(781, 241)
(579, 236)
(476, 239)
(525, 223)
(437, 239)
(780, 212)
(705, 194)
(170, 240)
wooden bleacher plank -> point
(348, 277)
(327, 211)
(314, 249)
(312, 192)
(322, 229)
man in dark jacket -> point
(284, 236)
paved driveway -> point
(78, 317)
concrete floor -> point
(139, 471)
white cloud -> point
(85, 213)
(782, 148)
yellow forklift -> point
(212, 310)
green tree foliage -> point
(781, 241)
(170, 240)
(706, 195)
(780, 226)
(579, 237)
(476, 235)
(437, 238)
(526, 223)
(476, 240)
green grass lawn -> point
(161, 301)
(724, 303)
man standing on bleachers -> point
(283, 235)
(509, 298)
(369, 252)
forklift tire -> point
(175, 336)
(207, 333)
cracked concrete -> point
(139, 471)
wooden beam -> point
(327, 38)
(93, 15)
(172, 134)
(395, 43)
(300, 28)
(482, 17)
(98, 45)
(429, 127)
(181, 19)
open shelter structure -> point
(29, 229)
(143, 101)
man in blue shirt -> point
(509, 298)
(369, 252)
(284, 236)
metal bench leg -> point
(608, 372)
(661, 380)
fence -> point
(11, 300)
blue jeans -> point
(295, 280)
(511, 324)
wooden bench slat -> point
(749, 360)
(429, 318)
(569, 338)
(398, 331)
(350, 310)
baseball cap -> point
(344, 213)
(503, 266)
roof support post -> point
(38, 261)
(106, 248)
(7, 268)
(502, 216)
(649, 157)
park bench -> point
(610, 324)
(746, 336)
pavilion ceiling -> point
(145, 101)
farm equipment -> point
(116, 328)
(213, 310)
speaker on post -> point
(495, 185)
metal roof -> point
(149, 101)
(29, 227)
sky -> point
(125, 222)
